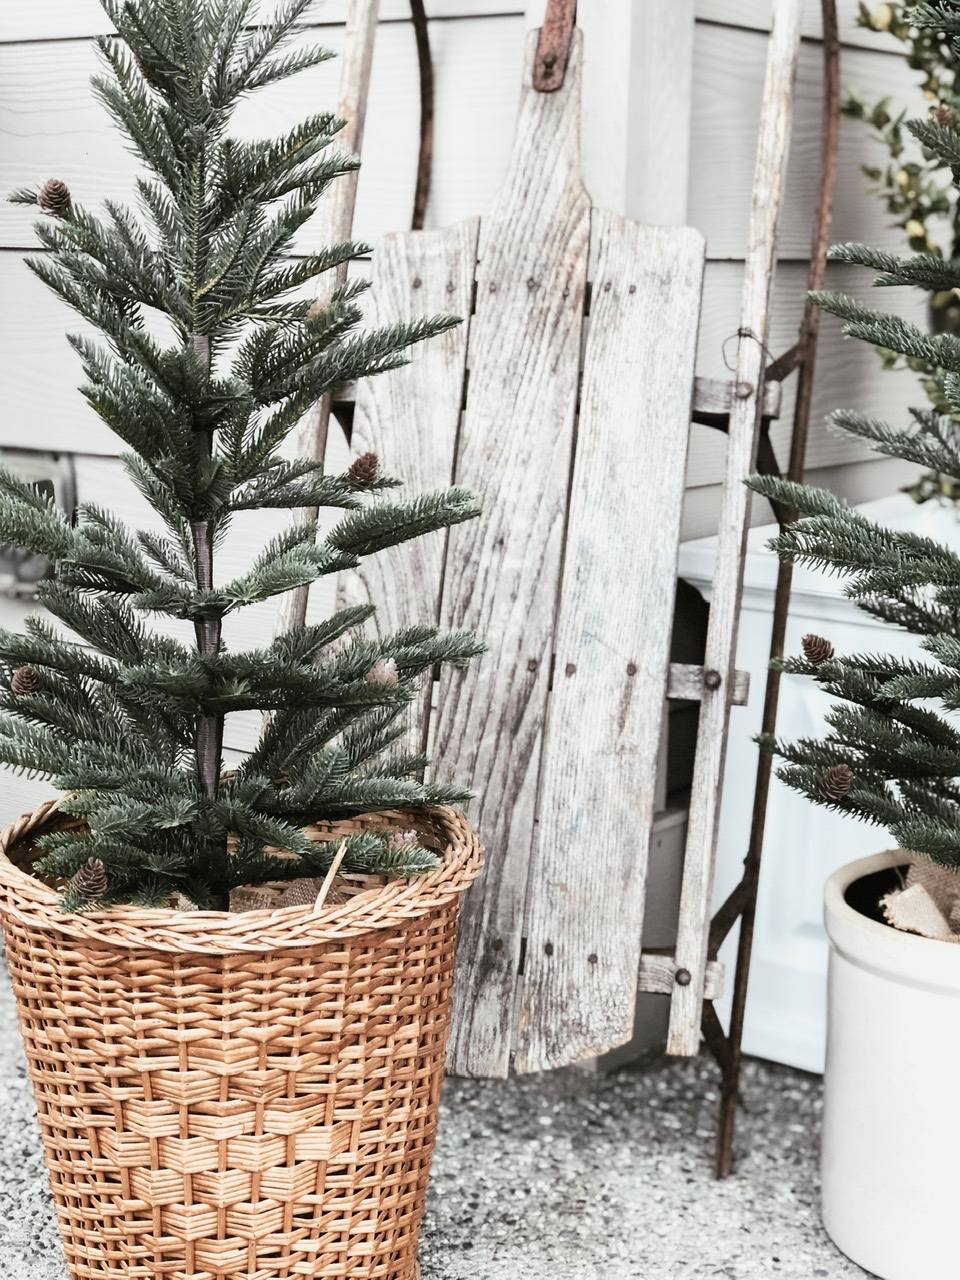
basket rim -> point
(34, 905)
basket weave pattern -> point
(250, 1096)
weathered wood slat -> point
(713, 399)
(599, 764)
(503, 569)
(686, 681)
(659, 974)
(335, 216)
(695, 900)
(410, 416)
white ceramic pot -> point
(891, 1124)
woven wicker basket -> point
(251, 1096)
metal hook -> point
(742, 333)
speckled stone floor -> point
(566, 1176)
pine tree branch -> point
(129, 722)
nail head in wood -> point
(712, 679)
(658, 974)
(744, 390)
(683, 978)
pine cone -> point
(816, 649)
(91, 880)
(364, 471)
(54, 197)
(384, 672)
(836, 782)
(403, 839)
(26, 680)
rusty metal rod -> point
(425, 158)
(809, 328)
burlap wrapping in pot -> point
(928, 903)
(247, 1096)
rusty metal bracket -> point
(553, 47)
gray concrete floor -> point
(566, 1176)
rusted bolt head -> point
(712, 679)
(682, 978)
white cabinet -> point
(804, 843)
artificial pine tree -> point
(892, 755)
(129, 721)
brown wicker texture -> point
(248, 1096)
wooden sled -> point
(565, 399)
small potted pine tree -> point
(891, 757)
(223, 1091)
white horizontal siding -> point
(728, 88)
(78, 19)
(849, 374)
(756, 15)
(66, 134)
(729, 58)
